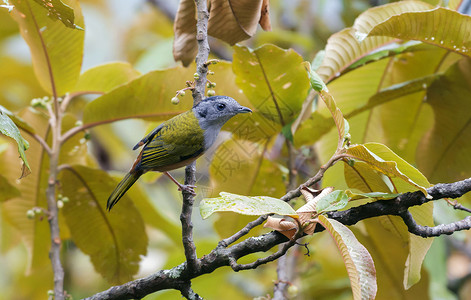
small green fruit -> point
(175, 100)
(30, 214)
(211, 93)
(196, 76)
(182, 93)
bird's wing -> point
(148, 137)
(178, 140)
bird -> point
(179, 141)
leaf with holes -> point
(56, 50)
(59, 11)
(357, 259)
(114, 241)
(246, 205)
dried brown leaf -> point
(229, 20)
(265, 16)
(185, 45)
(234, 20)
(285, 227)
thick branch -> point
(221, 256)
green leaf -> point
(333, 201)
(316, 81)
(17, 120)
(273, 79)
(286, 130)
(343, 48)
(9, 191)
(151, 214)
(317, 61)
(240, 166)
(114, 240)
(400, 177)
(253, 206)
(443, 149)
(143, 98)
(394, 92)
(421, 26)
(386, 239)
(376, 15)
(56, 50)
(373, 195)
(388, 50)
(393, 167)
(34, 234)
(358, 261)
(57, 10)
(313, 128)
(105, 77)
(8, 128)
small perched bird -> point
(179, 141)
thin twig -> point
(426, 231)
(40, 140)
(297, 191)
(281, 251)
(457, 205)
(232, 239)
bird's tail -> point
(122, 188)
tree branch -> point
(221, 256)
(185, 218)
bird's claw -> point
(188, 188)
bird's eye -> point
(221, 106)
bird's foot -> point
(187, 188)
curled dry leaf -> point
(229, 20)
(286, 227)
(305, 213)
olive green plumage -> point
(179, 141)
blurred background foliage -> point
(139, 34)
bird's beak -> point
(244, 109)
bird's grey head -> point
(217, 110)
